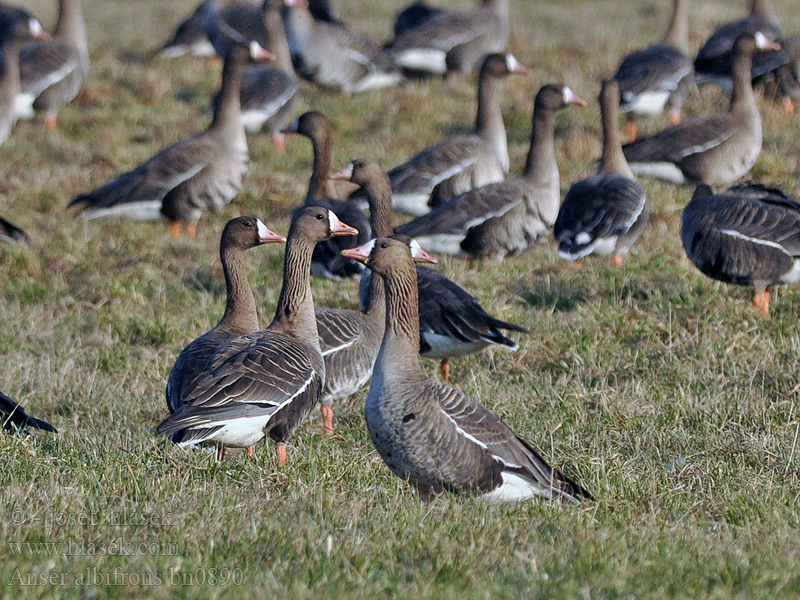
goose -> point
(333, 56)
(231, 22)
(240, 317)
(267, 382)
(13, 234)
(464, 162)
(605, 213)
(323, 10)
(713, 149)
(455, 42)
(14, 419)
(414, 15)
(189, 37)
(658, 76)
(452, 322)
(195, 175)
(746, 235)
(327, 260)
(52, 72)
(508, 217)
(433, 436)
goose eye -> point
(248, 224)
(320, 217)
(384, 245)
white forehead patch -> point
(35, 27)
(367, 248)
(569, 95)
(415, 248)
(761, 40)
(512, 63)
(263, 232)
(333, 220)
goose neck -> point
(278, 44)
(542, 153)
(71, 25)
(401, 337)
(229, 110)
(743, 99)
(240, 307)
(295, 311)
(379, 198)
(613, 159)
(319, 186)
(677, 34)
(489, 121)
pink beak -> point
(419, 255)
(258, 53)
(338, 228)
(343, 175)
(571, 97)
(360, 253)
(267, 236)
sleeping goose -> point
(13, 234)
(747, 235)
(189, 37)
(462, 163)
(414, 15)
(202, 173)
(713, 149)
(267, 382)
(52, 72)
(429, 434)
(240, 315)
(508, 217)
(328, 260)
(605, 213)
(13, 417)
(658, 76)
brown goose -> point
(13, 234)
(714, 149)
(202, 173)
(13, 417)
(434, 436)
(605, 213)
(658, 76)
(52, 72)
(508, 217)
(747, 235)
(267, 382)
(240, 316)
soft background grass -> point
(661, 391)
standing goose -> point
(429, 434)
(13, 417)
(189, 37)
(52, 72)
(202, 173)
(658, 76)
(267, 382)
(747, 235)
(506, 217)
(13, 234)
(328, 260)
(240, 316)
(605, 213)
(713, 149)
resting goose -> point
(14, 419)
(240, 315)
(658, 76)
(429, 434)
(189, 37)
(231, 22)
(267, 382)
(508, 217)
(414, 15)
(328, 260)
(461, 163)
(202, 173)
(747, 235)
(13, 234)
(713, 149)
(605, 213)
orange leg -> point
(280, 142)
(616, 260)
(281, 453)
(675, 117)
(327, 420)
(788, 106)
(50, 123)
(761, 302)
(251, 450)
(630, 131)
(191, 230)
(444, 369)
(175, 228)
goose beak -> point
(338, 228)
(514, 66)
(360, 253)
(258, 53)
(571, 97)
(344, 175)
(266, 236)
(419, 255)
(38, 32)
(762, 43)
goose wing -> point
(658, 67)
(676, 143)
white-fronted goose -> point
(240, 315)
(713, 149)
(658, 76)
(267, 382)
(189, 37)
(14, 419)
(52, 72)
(454, 41)
(328, 260)
(747, 235)
(414, 15)
(202, 173)
(461, 163)
(508, 217)
(429, 434)
(13, 234)
(605, 213)
(230, 22)
(333, 56)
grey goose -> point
(14, 419)
(13, 234)
(190, 177)
(264, 383)
(508, 217)
(746, 235)
(414, 15)
(433, 436)
(231, 22)
(605, 213)
(189, 37)
(712, 149)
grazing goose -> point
(464, 162)
(52, 72)
(240, 316)
(605, 213)
(202, 173)
(13, 234)
(508, 217)
(713, 149)
(452, 323)
(267, 382)
(328, 260)
(455, 42)
(429, 434)
(333, 56)
(189, 37)
(747, 235)
(414, 15)
(231, 22)
(14, 419)
(658, 76)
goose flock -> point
(242, 382)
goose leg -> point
(281, 453)
(630, 130)
(175, 228)
(616, 260)
(444, 369)
(761, 301)
(327, 420)
(50, 123)
(251, 450)
(788, 106)
(191, 230)
(280, 142)
(674, 117)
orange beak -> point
(267, 236)
(338, 228)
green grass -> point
(662, 392)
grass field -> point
(664, 393)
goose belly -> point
(515, 489)
(793, 275)
(442, 243)
(239, 433)
(423, 59)
(442, 346)
(414, 204)
(647, 103)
